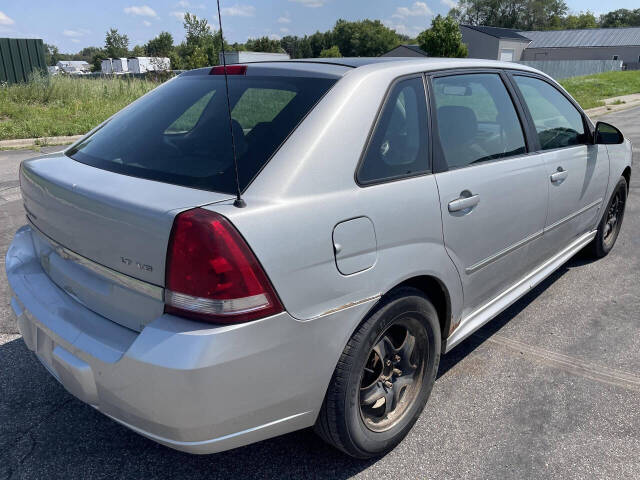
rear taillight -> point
(211, 273)
(231, 70)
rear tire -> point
(384, 376)
(611, 222)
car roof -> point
(337, 67)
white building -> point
(246, 57)
(148, 64)
(74, 66)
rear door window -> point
(476, 119)
(179, 133)
(398, 147)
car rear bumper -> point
(191, 386)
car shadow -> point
(46, 433)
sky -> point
(74, 24)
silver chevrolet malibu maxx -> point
(389, 208)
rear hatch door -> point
(102, 236)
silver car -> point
(388, 209)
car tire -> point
(379, 357)
(607, 233)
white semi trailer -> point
(148, 64)
(106, 66)
(120, 65)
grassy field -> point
(70, 106)
(590, 90)
(63, 105)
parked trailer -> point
(247, 57)
(120, 65)
(148, 64)
(106, 66)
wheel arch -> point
(437, 292)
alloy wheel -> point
(392, 376)
(614, 217)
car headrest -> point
(457, 125)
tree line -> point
(538, 15)
(364, 38)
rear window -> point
(179, 133)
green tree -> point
(201, 47)
(518, 14)
(365, 38)
(581, 20)
(96, 61)
(138, 51)
(51, 54)
(160, 46)
(621, 18)
(320, 41)
(443, 39)
(115, 44)
(197, 58)
(263, 44)
(330, 52)
(291, 45)
(87, 54)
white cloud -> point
(310, 3)
(274, 36)
(418, 9)
(75, 33)
(146, 23)
(178, 15)
(240, 11)
(6, 19)
(403, 29)
(284, 29)
(143, 11)
(449, 3)
(75, 40)
(284, 19)
(187, 4)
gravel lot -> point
(551, 388)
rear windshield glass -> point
(179, 133)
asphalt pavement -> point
(549, 389)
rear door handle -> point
(464, 202)
(560, 175)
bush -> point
(332, 52)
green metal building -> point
(19, 57)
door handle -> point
(464, 202)
(558, 176)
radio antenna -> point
(238, 202)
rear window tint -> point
(179, 132)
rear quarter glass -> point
(179, 133)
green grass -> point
(591, 90)
(52, 106)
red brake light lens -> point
(231, 70)
(212, 274)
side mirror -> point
(607, 134)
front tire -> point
(611, 222)
(384, 376)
